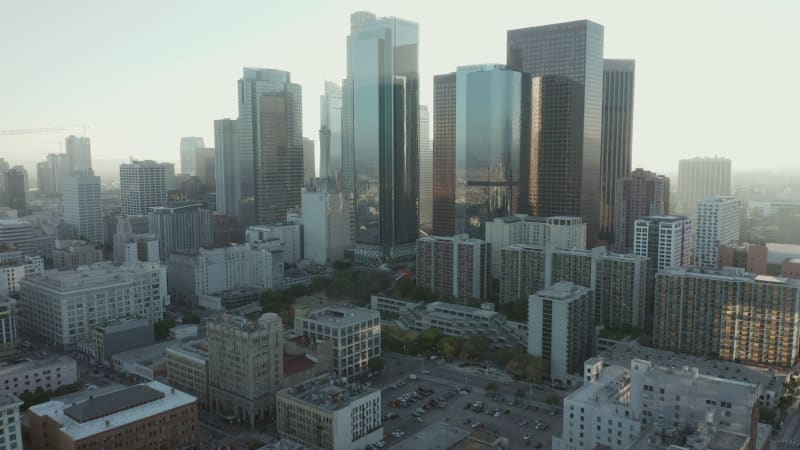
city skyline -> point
(662, 92)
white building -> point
(130, 247)
(8, 325)
(331, 414)
(700, 177)
(63, 307)
(14, 267)
(222, 269)
(355, 333)
(48, 374)
(142, 186)
(290, 234)
(557, 231)
(82, 206)
(666, 240)
(717, 224)
(560, 328)
(326, 225)
(11, 429)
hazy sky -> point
(712, 77)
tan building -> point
(151, 415)
(246, 366)
(187, 369)
(791, 268)
(751, 257)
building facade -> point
(290, 236)
(444, 154)
(8, 325)
(15, 267)
(188, 146)
(184, 228)
(187, 369)
(326, 226)
(638, 195)
(121, 335)
(751, 257)
(425, 171)
(29, 375)
(11, 431)
(717, 225)
(68, 255)
(227, 171)
(330, 148)
(665, 240)
(82, 206)
(309, 162)
(79, 154)
(699, 178)
(142, 186)
(457, 267)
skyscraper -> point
(270, 144)
(50, 172)
(615, 159)
(382, 99)
(309, 162)
(642, 193)
(16, 189)
(82, 206)
(183, 228)
(204, 161)
(330, 151)
(142, 186)
(566, 61)
(226, 145)
(188, 147)
(425, 171)
(717, 224)
(665, 240)
(444, 154)
(699, 178)
(79, 155)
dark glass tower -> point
(567, 58)
(382, 99)
(618, 78)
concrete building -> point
(227, 171)
(223, 269)
(729, 314)
(309, 162)
(453, 320)
(30, 374)
(69, 254)
(640, 194)
(184, 228)
(117, 420)
(326, 226)
(245, 366)
(717, 225)
(559, 232)
(187, 369)
(619, 282)
(62, 307)
(50, 172)
(14, 267)
(750, 257)
(79, 154)
(131, 247)
(82, 207)
(560, 328)
(331, 414)
(119, 336)
(455, 267)
(11, 431)
(330, 148)
(188, 147)
(204, 165)
(665, 240)
(8, 326)
(25, 237)
(425, 171)
(145, 363)
(699, 178)
(142, 186)
(289, 234)
(355, 333)
(171, 182)
(790, 268)
(14, 189)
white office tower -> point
(425, 171)
(79, 155)
(665, 240)
(699, 178)
(130, 247)
(288, 236)
(717, 224)
(14, 267)
(188, 147)
(226, 166)
(83, 209)
(142, 186)
(326, 226)
(61, 307)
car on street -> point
(397, 433)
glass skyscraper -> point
(226, 167)
(330, 148)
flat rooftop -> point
(327, 392)
(11, 367)
(607, 388)
(108, 404)
(123, 325)
(343, 315)
(449, 308)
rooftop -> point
(606, 389)
(343, 315)
(8, 399)
(24, 365)
(731, 274)
(146, 355)
(563, 290)
(105, 405)
(327, 392)
(97, 275)
(463, 309)
(123, 325)
(437, 435)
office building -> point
(169, 176)
(717, 225)
(226, 166)
(69, 254)
(425, 171)
(557, 231)
(790, 268)
(184, 228)
(50, 172)
(699, 178)
(444, 154)
(355, 333)
(82, 206)
(330, 164)
(245, 365)
(309, 162)
(119, 336)
(329, 413)
(729, 314)
(619, 282)
(326, 226)
(617, 136)
(79, 155)
(117, 420)
(31, 241)
(566, 63)
(187, 369)
(130, 247)
(204, 165)
(560, 328)
(142, 186)
(15, 267)
(55, 300)
(751, 257)
(210, 271)
(46, 374)
(640, 194)
(289, 235)
(8, 326)
(15, 187)
(188, 147)
(11, 431)
(381, 135)
(665, 240)
(455, 267)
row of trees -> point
(40, 395)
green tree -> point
(376, 364)
(428, 339)
(319, 284)
(450, 347)
(475, 347)
(162, 327)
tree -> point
(450, 347)
(342, 264)
(376, 364)
(475, 347)
(162, 327)
(491, 386)
(428, 339)
(319, 284)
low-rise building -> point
(11, 430)
(29, 374)
(8, 325)
(121, 335)
(14, 267)
(69, 254)
(289, 234)
(151, 415)
(328, 413)
(230, 299)
(145, 363)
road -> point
(789, 437)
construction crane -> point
(42, 130)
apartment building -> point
(454, 267)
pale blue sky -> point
(713, 77)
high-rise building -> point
(204, 162)
(425, 171)
(184, 228)
(82, 206)
(699, 178)
(566, 61)
(170, 181)
(326, 226)
(617, 135)
(8, 325)
(454, 267)
(130, 247)
(227, 172)
(730, 314)
(290, 236)
(444, 154)
(26, 238)
(50, 172)
(560, 328)
(640, 194)
(188, 147)
(717, 224)
(330, 146)
(142, 186)
(381, 135)
(79, 155)
(270, 144)
(16, 189)
(245, 361)
(309, 162)
(665, 240)
(11, 432)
